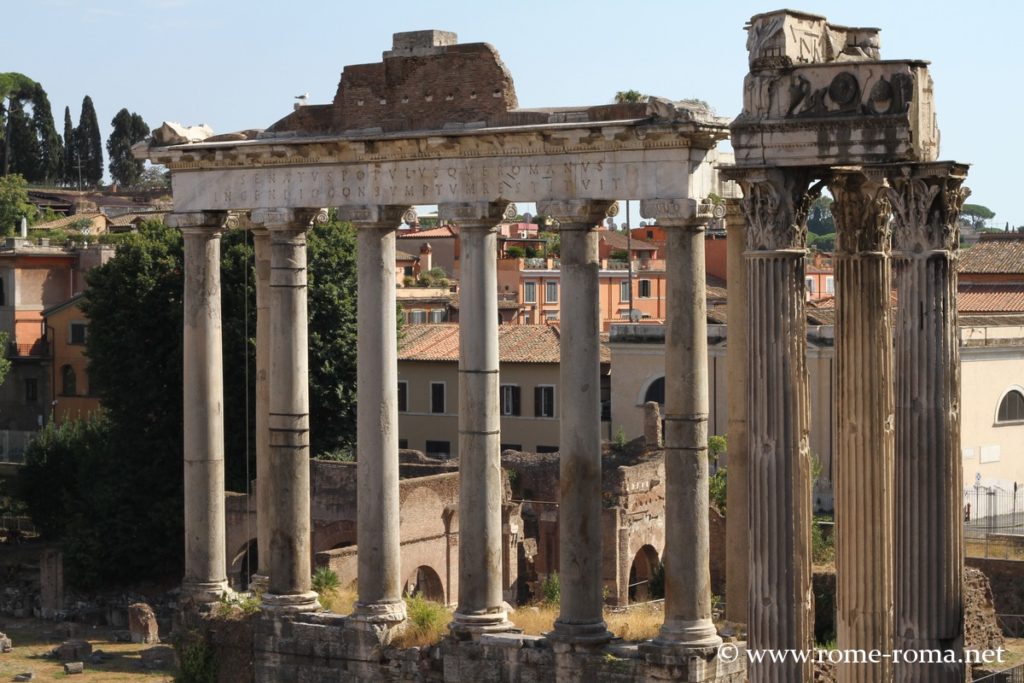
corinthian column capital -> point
(775, 203)
(862, 213)
(926, 201)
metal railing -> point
(1014, 674)
(994, 522)
(1012, 625)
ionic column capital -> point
(287, 219)
(578, 214)
(775, 203)
(862, 213)
(926, 202)
(210, 223)
(477, 214)
(386, 216)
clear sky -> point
(236, 64)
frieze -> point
(386, 216)
(482, 213)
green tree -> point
(51, 149)
(630, 97)
(976, 216)
(89, 144)
(129, 128)
(819, 219)
(15, 88)
(70, 175)
(22, 145)
(14, 203)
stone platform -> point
(328, 648)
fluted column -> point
(205, 566)
(737, 539)
(377, 534)
(264, 504)
(926, 201)
(688, 624)
(290, 585)
(775, 203)
(481, 604)
(580, 620)
(864, 424)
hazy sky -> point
(236, 64)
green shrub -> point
(823, 548)
(325, 579)
(424, 614)
(551, 590)
(515, 252)
(620, 439)
(196, 659)
(718, 489)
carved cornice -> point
(926, 201)
(578, 213)
(775, 205)
(287, 219)
(477, 214)
(862, 213)
(387, 216)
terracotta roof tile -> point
(1001, 254)
(65, 221)
(617, 240)
(990, 298)
(516, 343)
(430, 233)
(126, 219)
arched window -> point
(656, 391)
(69, 385)
(1011, 408)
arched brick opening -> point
(427, 583)
(244, 564)
(645, 563)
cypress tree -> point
(129, 128)
(24, 147)
(90, 144)
(51, 153)
(70, 150)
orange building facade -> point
(67, 328)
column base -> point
(472, 624)
(379, 612)
(298, 602)
(259, 584)
(595, 634)
(686, 635)
(204, 592)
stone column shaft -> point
(864, 409)
(926, 201)
(290, 585)
(264, 504)
(377, 534)
(737, 540)
(581, 619)
(481, 603)
(775, 203)
(205, 564)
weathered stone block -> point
(74, 668)
(159, 657)
(142, 624)
(72, 650)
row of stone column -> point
(898, 475)
(282, 419)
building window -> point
(403, 443)
(439, 449)
(31, 390)
(437, 315)
(529, 292)
(656, 391)
(1011, 408)
(644, 289)
(830, 285)
(511, 447)
(551, 292)
(624, 290)
(551, 317)
(809, 282)
(76, 334)
(68, 383)
(407, 271)
(650, 234)
(509, 399)
(544, 401)
(417, 317)
(403, 396)
(547, 449)
(437, 397)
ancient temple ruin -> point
(437, 122)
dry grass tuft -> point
(641, 623)
(339, 600)
(535, 620)
(427, 623)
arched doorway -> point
(426, 583)
(645, 564)
(656, 391)
(245, 564)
